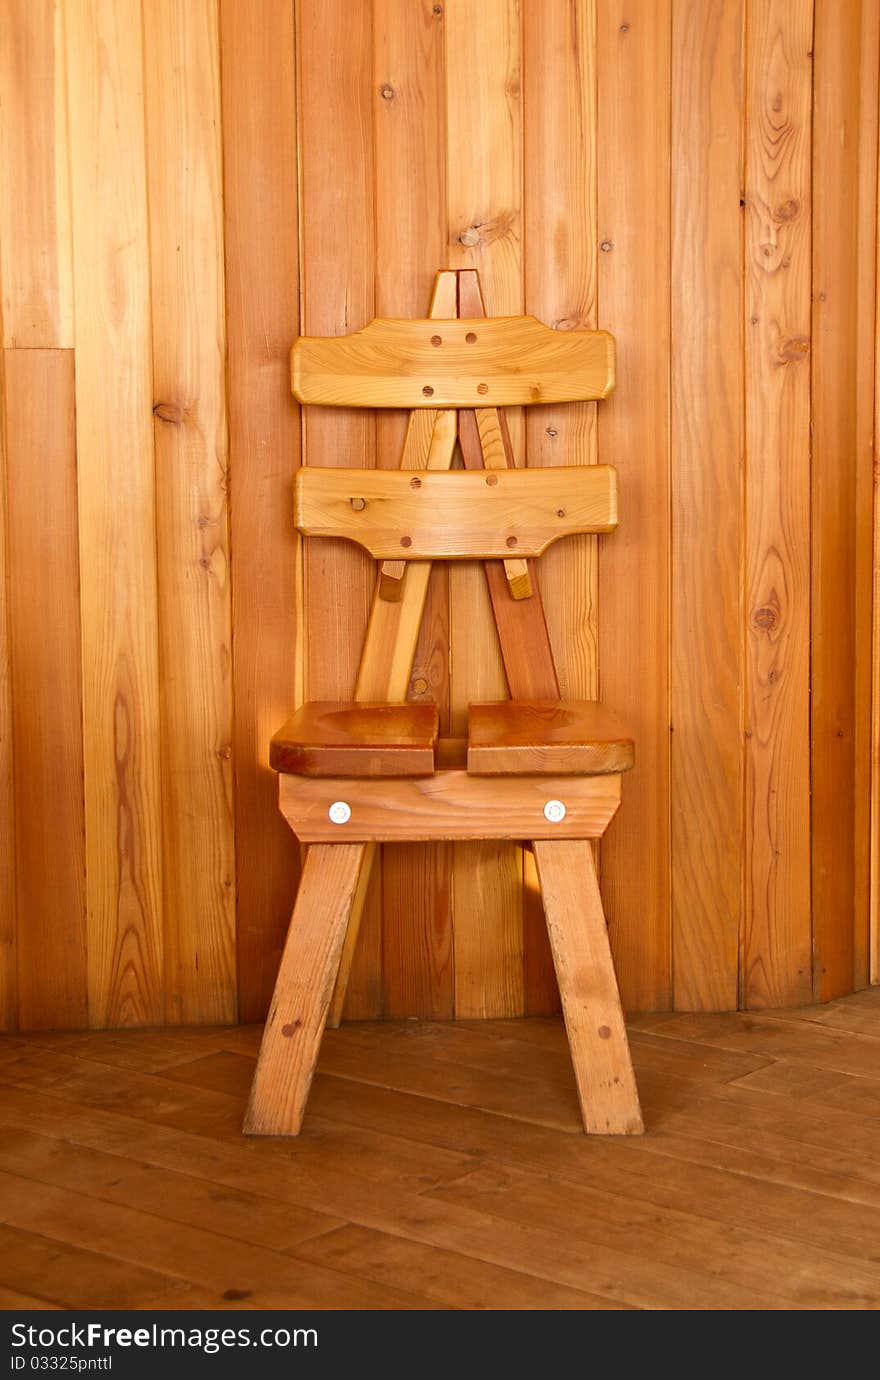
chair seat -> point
(554, 737)
(325, 738)
(511, 738)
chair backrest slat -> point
(483, 362)
(456, 514)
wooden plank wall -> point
(187, 184)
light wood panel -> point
(117, 512)
(409, 132)
(706, 787)
(484, 226)
(182, 65)
(262, 309)
(834, 530)
(777, 965)
(8, 971)
(869, 72)
(633, 62)
(337, 240)
(561, 249)
(35, 229)
(46, 697)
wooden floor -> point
(441, 1166)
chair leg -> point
(309, 964)
(588, 985)
(334, 1015)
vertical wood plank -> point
(777, 938)
(560, 254)
(117, 516)
(8, 972)
(182, 56)
(337, 182)
(874, 846)
(409, 177)
(706, 614)
(46, 679)
(484, 215)
(35, 202)
(633, 62)
(866, 298)
(834, 468)
(262, 316)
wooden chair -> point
(534, 768)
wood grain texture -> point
(303, 989)
(776, 924)
(448, 805)
(869, 80)
(633, 63)
(560, 271)
(528, 737)
(834, 421)
(329, 739)
(484, 227)
(338, 247)
(457, 515)
(874, 805)
(117, 513)
(590, 999)
(262, 311)
(35, 228)
(8, 919)
(506, 362)
(182, 65)
(45, 681)
(706, 778)
(409, 132)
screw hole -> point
(491, 479)
(471, 338)
(406, 541)
(436, 340)
(512, 541)
(428, 391)
(482, 388)
(415, 483)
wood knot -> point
(491, 479)
(419, 685)
(552, 432)
(470, 237)
(788, 210)
(359, 504)
(765, 618)
(795, 349)
(415, 483)
(175, 413)
(606, 246)
(387, 92)
(604, 1032)
(290, 1028)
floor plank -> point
(442, 1166)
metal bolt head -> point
(554, 812)
(339, 812)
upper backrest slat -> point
(502, 361)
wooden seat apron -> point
(536, 768)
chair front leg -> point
(298, 1012)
